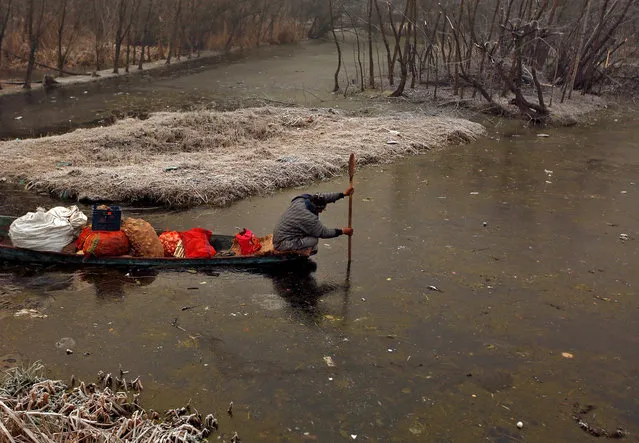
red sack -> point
(86, 231)
(249, 243)
(170, 240)
(103, 243)
(196, 243)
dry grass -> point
(36, 409)
(214, 158)
(571, 112)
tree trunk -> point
(145, 33)
(339, 49)
(127, 58)
(34, 28)
(99, 33)
(371, 63)
(119, 35)
(4, 20)
(386, 45)
(404, 56)
(176, 20)
(61, 24)
(582, 39)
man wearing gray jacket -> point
(300, 227)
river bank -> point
(12, 86)
(209, 155)
(214, 158)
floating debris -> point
(329, 361)
(595, 431)
(31, 313)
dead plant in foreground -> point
(36, 409)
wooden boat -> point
(222, 243)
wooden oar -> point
(351, 173)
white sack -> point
(72, 213)
(47, 231)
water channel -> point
(490, 284)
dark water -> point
(279, 75)
(546, 275)
(520, 234)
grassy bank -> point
(214, 158)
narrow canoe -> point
(222, 243)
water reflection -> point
(111, 284)
(302, 292)
(295, 285)
(33, 277)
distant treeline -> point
(497, 48)
(63, 35)
(493, 48)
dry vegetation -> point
(568, 113)
(214, 158)
(36, 409)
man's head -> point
(318, 201)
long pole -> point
(351, 173)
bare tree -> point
(35, 26)
(5, 14)
(339, 49)
(132, 28)
(369, 27)
(145, 32)
(99, 18)
(398, 31)
(382, 28)
(66, 34)
(121, 31)
(176, 22)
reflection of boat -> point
(222, 243)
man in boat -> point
(300, 228)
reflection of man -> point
(301, 290)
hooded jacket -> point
(301, 219)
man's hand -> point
(347, 231)
(349, 191)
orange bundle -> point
(103, 243)
(170, 240)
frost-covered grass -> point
(214, 158)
